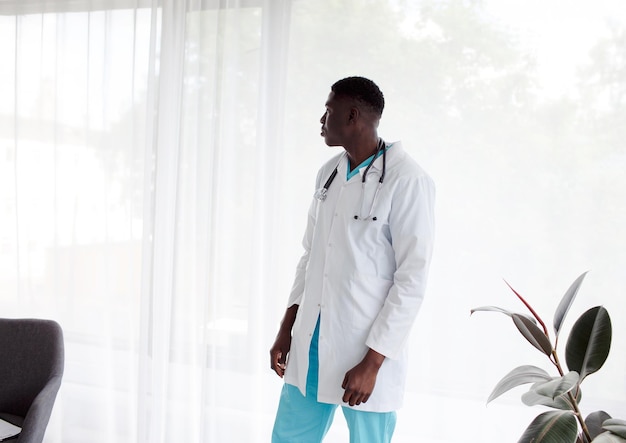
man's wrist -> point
(374, 359)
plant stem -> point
(572, 400)
(532, 311)
(557, 363)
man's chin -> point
(330, 142)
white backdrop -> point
(157, 160)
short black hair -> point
(363, 90)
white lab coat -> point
(366, 279)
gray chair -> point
(32, 359)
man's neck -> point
(361, 150)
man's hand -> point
(359, 381)
(278, 353)
(282, 344)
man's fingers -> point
(277, 363)
(354, 399)
(346, 396)
(274, 359)
(282, 358)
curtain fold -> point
(166, 76)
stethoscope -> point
(321, 193)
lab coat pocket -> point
(367, 296)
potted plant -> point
(586, 350)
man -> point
(360, 282)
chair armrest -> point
(38, 415)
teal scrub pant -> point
(302, 419)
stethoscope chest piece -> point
(322, 192)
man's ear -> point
(354, 115)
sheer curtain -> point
(138, 144)
(157, 160)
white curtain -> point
(157, 160)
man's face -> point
(335, 120)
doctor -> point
(360, 282)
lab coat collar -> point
(392, 157)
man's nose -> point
(323, 119)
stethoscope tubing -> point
(381, 145)
(321, 193)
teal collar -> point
(366, 162)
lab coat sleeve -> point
(411, 223)
(297, 290)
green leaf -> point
(534, 398)
(517, 377)
(589, 342)
(608, 437)
(491, 309)
(616, 426)
(594, 422)
(533, 334)
(557, 386)
(566, 302)
(502, 311)
(551, 427)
